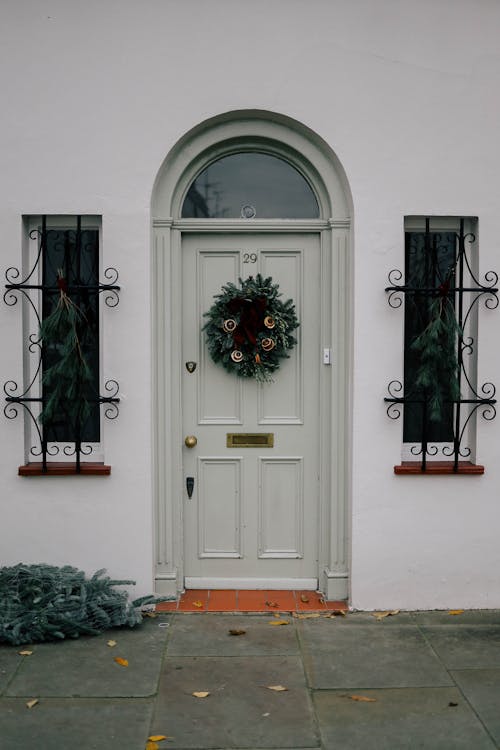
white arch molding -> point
(311, 156)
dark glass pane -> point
(247, 185)
(74, 255)
(430, 261)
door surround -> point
(310, 155)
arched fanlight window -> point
(248, 185)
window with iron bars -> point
(61, 290)
(439, 397)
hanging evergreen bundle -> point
(437, 373)
(249, 328)
(46, 603)
(67, 380)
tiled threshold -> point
(230, 600)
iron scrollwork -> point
(74, 253)
(461, 286)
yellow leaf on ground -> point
(121, 662)
(25, 653)
(304, 598)
(277, 688)
(308, 615)
(278, 622)
(362, 699)
(456, 612)
(32, 703)
(111, 644)
(198, 604)
(201, 694)
(157, 737)
(236, 631)
(383, 615)
(149, 614)
(151, 745)
(272, 604)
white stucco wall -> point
(95, 94)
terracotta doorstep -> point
(230, 600)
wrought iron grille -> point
(441, 294)
(66, 258)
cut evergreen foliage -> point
(249, 328)
(45, 603)
(437, 373)
(66, 380)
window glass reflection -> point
(249, 185)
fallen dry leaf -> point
(111, 644)
(198, 604)
(278, 622)
(151, 745)
(32, 703)
(157, 737)
(304, 598)
(235, 631)
(201, 694)
(277, 688)
(383, 615)
(362, 699)
(272, 604)
(149, 614)
(452, 704)
(339, 612)
(25, 653)
(121, 662)
(308, 615)
(456, 612)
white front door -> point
(252, 520)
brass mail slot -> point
(250, 440)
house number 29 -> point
(249, 257)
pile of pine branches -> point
(45, 603)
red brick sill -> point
(438, 467)
(57, 469)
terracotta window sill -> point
(438, 467)
(56, 469)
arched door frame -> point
(312, 157)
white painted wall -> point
(94, 95)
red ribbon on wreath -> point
(251, 312)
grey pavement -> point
(412, 680)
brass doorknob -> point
(190, 441)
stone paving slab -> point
(468, 617)
(481, 687)
(260, 638)
(466, 647)
(240, 711)
(10, 661)
(370, 657)
(83, 724)
(85, 667)
(400, 719)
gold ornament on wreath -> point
(229, 325)
(249, 329)
(268, 344)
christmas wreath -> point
(249, 328)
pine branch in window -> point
(67, 380)
(437, 373)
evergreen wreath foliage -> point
(437, 373)
(68, 379)
(249, 328)
(46, 603)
